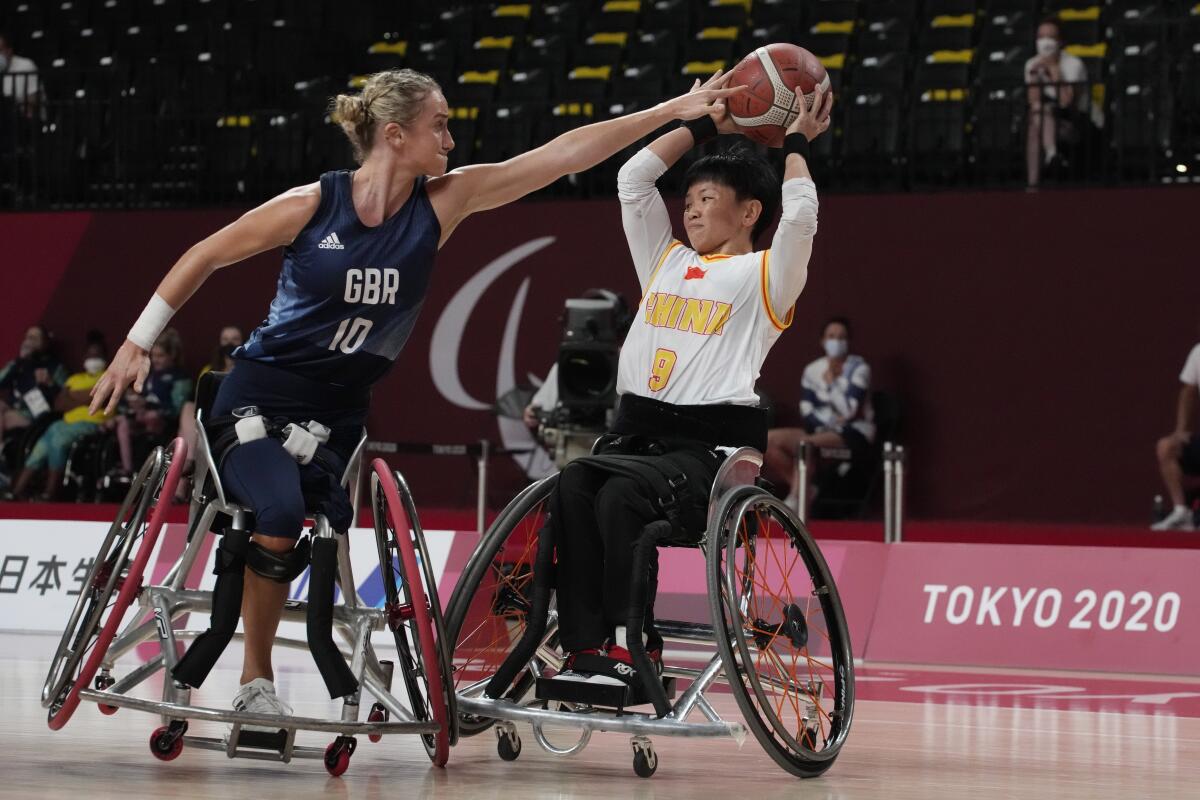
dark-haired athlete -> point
(709, 314)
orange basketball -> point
(774, 74)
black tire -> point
(100, 584)
(475, 595)
(777, 628)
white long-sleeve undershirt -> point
(648, 229)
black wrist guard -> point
(703, 129)
(797, 143)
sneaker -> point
(1180, 519)
(623, 656)
(571, 670)
(258, 697)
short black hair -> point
(839, 320)
(749, 175)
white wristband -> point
(151, 323)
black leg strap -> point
(339, 680)
(639, 594)
(230, 570)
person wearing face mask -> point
(52, 448)
(30, 382)
(1058, 100)
(835, 404)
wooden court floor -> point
(997, 735)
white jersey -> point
(706, 323)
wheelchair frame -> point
(734, 492)
(153, 486)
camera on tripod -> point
(594, 327)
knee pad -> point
(279, 567)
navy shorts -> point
(262, 476)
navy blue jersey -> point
(348, 295)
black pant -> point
(598, 518)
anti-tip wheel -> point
(166, 745)
(378, 714)
(337, 755)
(645, 763)
(508, 746)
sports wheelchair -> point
(94, 660)
(776, 624)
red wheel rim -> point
(129, 589)
(416, 591)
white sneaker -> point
(258, 697)
(1180, 519)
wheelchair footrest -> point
(603, 695)
(274, 741)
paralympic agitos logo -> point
(448, 335)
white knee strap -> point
(300, 443)
(250, 429)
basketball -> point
(773, 73)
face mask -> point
(1047, 46)
(836, 348)
(94, 365)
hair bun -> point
(349, 109)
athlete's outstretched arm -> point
(273, 224)
(791, 247)
(479, 187)
(644, 215)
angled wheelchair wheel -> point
(487, 612)
(112, 583)
(780, 630)
(414, 612)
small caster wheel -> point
(337, 755)
(166, 744)
(378, 714)
(104, 682)
(645, 760)
(508, 744)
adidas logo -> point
(331, 242)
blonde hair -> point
(394, 95)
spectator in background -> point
(52, 449)
(835, 404)
(156, 410)
(1179, 453)
(18, 77)
(228, 340)
(1058, 101)
(30, 382)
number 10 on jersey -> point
(660, 368)
(351, 334)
